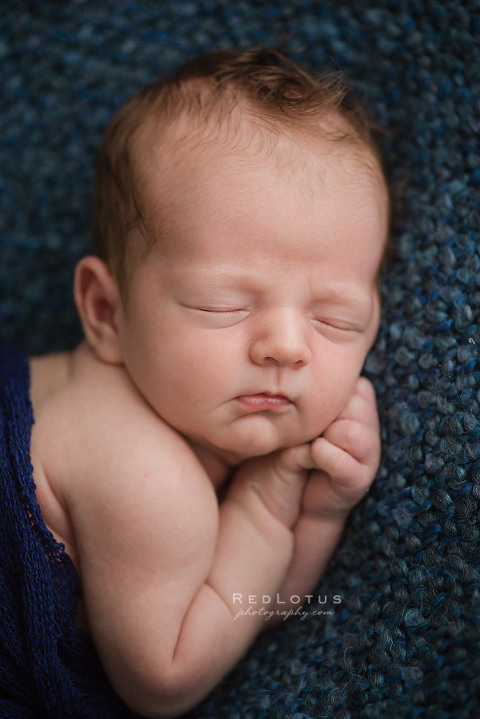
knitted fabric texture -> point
(46, 668)
(405, 639)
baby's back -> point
(50, 376)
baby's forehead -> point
(194, 180)
(299, 153)
(191, 166)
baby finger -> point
(355, 438)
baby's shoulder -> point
(93, 426)
(106, 464)
(76, 393)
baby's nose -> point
(281, 338)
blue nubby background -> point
(405, 640)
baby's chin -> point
(258, 444)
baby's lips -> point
(264, 401)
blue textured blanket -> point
(405, 641)
(46, 668)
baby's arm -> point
(342, 464)
(160, 562)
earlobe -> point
(97, 298)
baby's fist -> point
(346, 456)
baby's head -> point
(241, 221)
(243, 102)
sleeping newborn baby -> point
(210, 435)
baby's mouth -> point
(264, 401)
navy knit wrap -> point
(46, 668)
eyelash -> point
(332, 325)
(220, 317)
(329, 323)
(219, 312)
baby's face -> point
(248, 323)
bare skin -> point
(232, 360)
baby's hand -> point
(345, 459)
(277, 479)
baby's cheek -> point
(327, 400)
(198, 373)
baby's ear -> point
(97, 298)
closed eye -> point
(336, 327)
(219, 316)
(220, 311)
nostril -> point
(282, 339)
(298, 356)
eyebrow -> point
(347, 295)
(334, 293)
